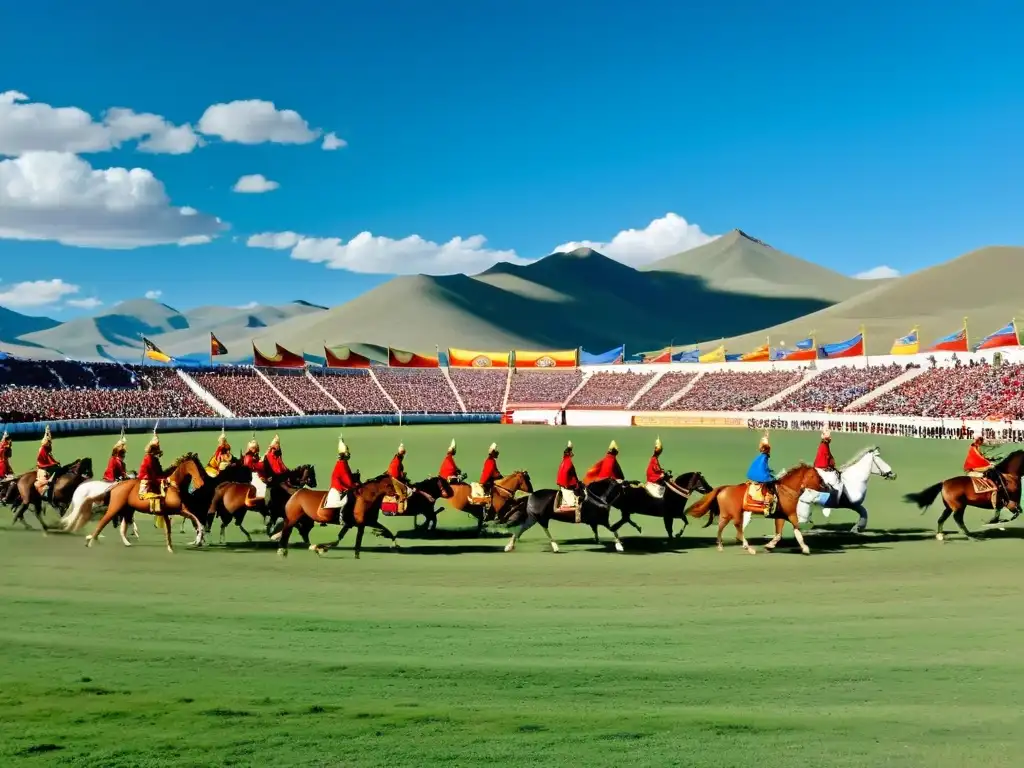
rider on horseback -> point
(977, 465)
(275, 459)
(490, 473)
(608, 467)
(656, 476)
(568, 481)
(449, 469)
(761, 475)
(152, 475)
(258, 490)
(342, 482)
(45, 464)
(6, 471)
(396, 468)
(221, 457)
(116, 469)
(825, 463)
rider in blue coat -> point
(761, 474)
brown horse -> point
(727, 502)
(229, 500)
(958, 494)
(68, 478)
(124, 497)
(502, 493)
(361, 511)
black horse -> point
(64, 481)
(635, 500)
(596, 501)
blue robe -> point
(759, 471)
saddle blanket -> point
(655, 490)
(566, 501)
(983, 485)
(392, 505)
(477, 494)
(754, 498)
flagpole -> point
(671, 349)
(864, 343)
(967, 336)
(211, 349)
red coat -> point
(275, 462)
(975, 461)
(151, 470)
(824, 459)
(449, 468)
(655, 474)
(44, 459)
(255, 464)
(396, 468)
(341, 477)
(5, 459)
(567, 477)
(116, 470)
(609, 469)
(490, 471)
(223, 453)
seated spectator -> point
(960, 392)
(609, 390)
(545, 388)
(836, 388)
(735, 390)
(482, 391)
(418, 390)
(242, 391)
(666, 387)
(354, 388)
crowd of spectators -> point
(418, 390)
(735, 390)
(836, 388)
(609, 390)
(242, 391)
(964, 392)
(354, 389)
(301, 390)
(543, 387)
(668, 385)
(481, 390)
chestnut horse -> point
(361, 511)
(958, 494)
(229, 499)
(502, 493)
(727, 502)
(67, 479)
(124, 497)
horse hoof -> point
(554, 548)
(940, 537)
(510, 547)
(282, 552)
(314, 548)
(751, 551)
(170, 550)
(619, 547)
(276, 536)
(127, 543)
(805, 550)
(720, 548)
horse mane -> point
(859, 455)
(182, 459)
(1006, 459)
(786, 473)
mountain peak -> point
(738, 234)
(583, 252)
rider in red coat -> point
(655, 474)
(116, 469)
(396, 468)
(976, 465)
(152, 475)
(5, 457)
(449, 469)
(45, 464)
(490, 473)
(251, 460)
(341, 479)
(274, 458)
(567, 477)
(608, 468)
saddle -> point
(477, 494)
(566, 501)
(655, 490)
(756, 500)
(154, 497)
(393, 506)
(983, 485)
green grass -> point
(891, 650)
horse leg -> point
(618, 543)
(200, 530)
(958, 518)
(862, 519)
(394, 539)
(167, 531)
(741, 524)
(359, 540)
(239, 519)
(123, 530)
(527, 525)
(551, 539)
(109, 515)
(597, 539)
(777, 537)
(723, 520)
(668, 527)
(322, 548)
(19, 515)
(946, 512)
(798, 534)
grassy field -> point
(891, 649)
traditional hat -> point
(5, 437)
(401, 447)
(493, 448)
(122, 442)
(825, 434)
(276, 441)
(342, 448)
(569, 444)
(47, 437)
(223, 438)
(451, 448)
(253, 443)
(154, 441)
(657, 443)
(764, 441)
(613, 446)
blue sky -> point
(862, 135)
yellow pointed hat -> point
(613, 446)
(47, 437)
(657, 443)
(342, 448)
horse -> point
(727, 501)
(94, 495)
(855, 475)
(502, 492)
(636, 500)
(958, 493)
(125, 497)
(228, 502)
(360, 512)
(539, 507)
(66, 479)
(421, 498)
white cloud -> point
(27, 126)
(382, 255)
(60, 197)
(255, 183)
(333, 141)
(35, 293)
(88, 303)
(250, 305)
(154, 295)
(663, 237)
(878, 273)
(254, 121)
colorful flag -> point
(153, 352)
(659, 357)
(690, 356)
(955, 342)
(853, 347)
(716, 355)
(1004, 337)
(756, 355)
(805, 350)
(216, 348)
(906, 345)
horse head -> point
(188, 465)
(1012, 463)
(303, 475)
(605, 492)
(435, 487)
(880, 466)
(380, 486)
(695, 482)
(517, 481)
(81, 467)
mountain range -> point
(735, 287)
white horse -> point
(87, 498)
(855, 475)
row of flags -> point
(958, 341)
(152, 352)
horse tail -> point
(707, 504)
(81, 505)
(924, 498)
